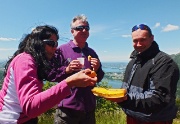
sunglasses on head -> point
(81, 28)
(142, 27)
(50, 42)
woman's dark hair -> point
(33, 44)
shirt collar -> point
(73, 46)
(149, 53)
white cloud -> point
(97, 28)
(117, 29)
(170, 27)
(126, 35)
(5, 53)
(157, 25)
(172, 50)
(7, 39)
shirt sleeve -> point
(57, 71)
(33, 100)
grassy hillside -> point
(176, 58)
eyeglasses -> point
(81, 28)
(50, 42)
(142, 27)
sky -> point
(110, 22)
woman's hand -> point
(81, 79)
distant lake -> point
(113, 67)
(113, 83)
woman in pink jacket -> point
(21, 97)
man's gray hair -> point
(79, 17)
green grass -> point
(116, 117)
(106, 112)
(102, 117)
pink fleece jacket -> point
(21, 96)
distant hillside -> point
(176, 58)
(2, 63)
